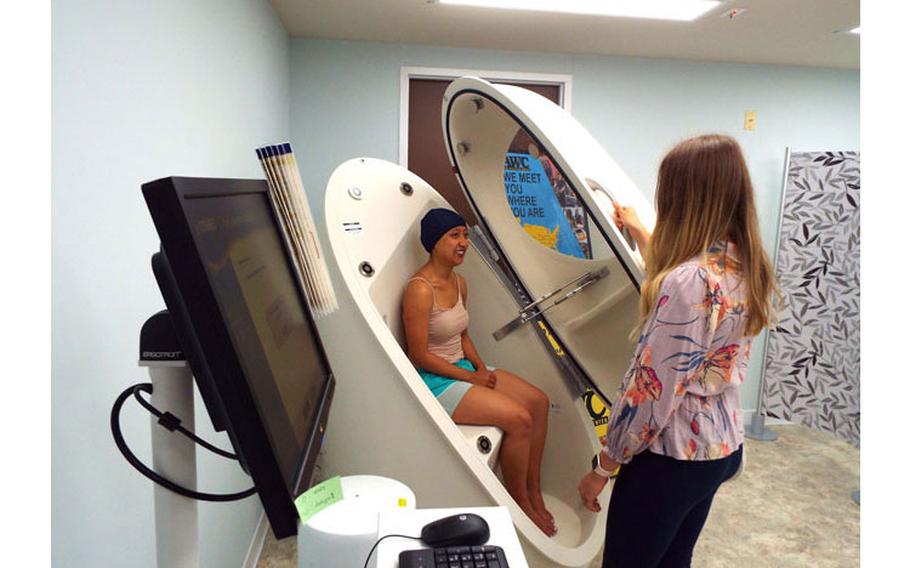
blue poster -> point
(536, 207)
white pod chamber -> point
(373, 210)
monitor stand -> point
(174, 457)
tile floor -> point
(791, 507)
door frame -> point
(564, 82)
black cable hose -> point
(150, 473)
(148, 406)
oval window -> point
(546, 205)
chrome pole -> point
(757, 430)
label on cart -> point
(318, 497)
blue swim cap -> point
(436, 223)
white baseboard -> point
(748, 414)
(255, 550)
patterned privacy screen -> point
(812, 363)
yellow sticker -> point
(598, 411)
(556, 348)
(402, 502)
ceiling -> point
(785, 32)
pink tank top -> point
(446, 327)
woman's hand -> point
(627, 218)
(484, 378)
(590, 487)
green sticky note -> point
(318, 497)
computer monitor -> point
(240, 312)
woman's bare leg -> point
(482, 405)
(536, 402)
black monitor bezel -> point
(188, 294)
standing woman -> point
(676, 425)
(436, 325)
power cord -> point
(172, 423)
(382, 539)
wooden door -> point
(427, 155)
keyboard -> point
(454, 557)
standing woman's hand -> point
(589, 488)
(627, 218)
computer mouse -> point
(465, 529)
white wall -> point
(345, 103)
(141, 90)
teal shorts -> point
(448, 392)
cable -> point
(167, 420)
(383, 538)
(172, 423)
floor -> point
(791, 507)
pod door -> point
(543, 188)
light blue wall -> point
(166, 87)
(141, 90)
(345, 103)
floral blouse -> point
(680, 396)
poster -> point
(544, 204)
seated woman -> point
(436, 325)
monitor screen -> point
(236, 300)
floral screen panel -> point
(812, 363)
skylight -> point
(679, 10)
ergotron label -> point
(169, 355)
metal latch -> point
(532, 311)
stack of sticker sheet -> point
(286, 190)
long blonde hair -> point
(704, 193)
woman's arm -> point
(674, 339)
(416, 307)
(470, 352)
(482, 377)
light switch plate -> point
(750, 120)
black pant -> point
(658, 508)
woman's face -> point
(452, 246)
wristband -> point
(598, 469)
(602, 472)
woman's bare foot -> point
(548, 528)
(538, 503)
